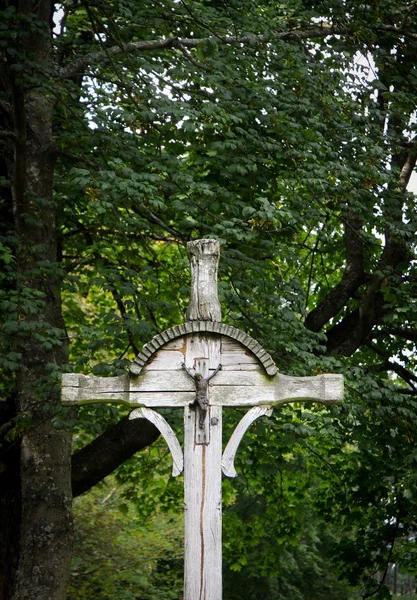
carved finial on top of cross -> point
(204, 260)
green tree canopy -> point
(286, 131)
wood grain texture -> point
(166, 360)
(204, 260)
(243, 395)
(167, 433)
(326, 389)
(228, 459)
(165, 388)
(202, 488)
(203, 345)
(232, 340)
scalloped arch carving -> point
(191, 327)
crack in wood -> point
(203, 492)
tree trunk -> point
(46, 522)
(42, 520)
(46, 525)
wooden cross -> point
(201, 366)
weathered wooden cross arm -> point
(229, 389)
(168, 373)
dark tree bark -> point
(353, 277)
(41, 499)
(100, 458)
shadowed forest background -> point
(286, 130)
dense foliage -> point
(284, 130)
(118, 554)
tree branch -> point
(152, 217)
(96, 58)
(357, 326)
(324, 30)
(408, 334)
(345, 337)
(352, 279)
(390, 365)
(191, 58)
(398, 31)
(113, 447)
(408, 169)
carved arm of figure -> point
(201, 388)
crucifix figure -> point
(201, 388)
(202, 366)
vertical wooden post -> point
(203, 506)
(203, 448)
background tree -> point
(118, 553)
(287, 132)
